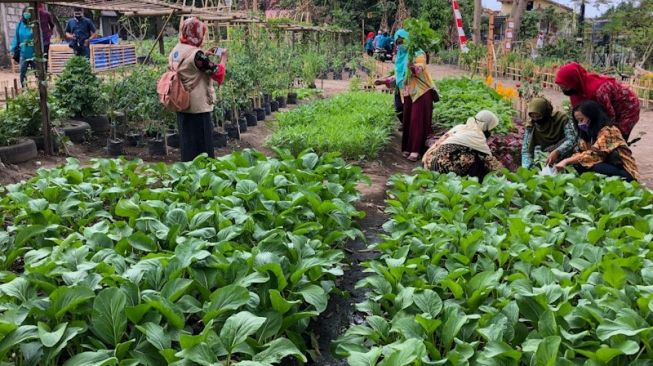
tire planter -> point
(274, 106)
(40, 142)
(99, 124)
(232, 131)
(219, 139)
(172, 140)
(115, 147)
(20, 152)
(242, 122)
(76, 130)
(268, 109)
(260, 114)
(282, 102)
(292, 98)
(156, 147)
(251, 119)
(134, 139)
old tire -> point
(20, 152)
(76, 130)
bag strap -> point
(197, 79)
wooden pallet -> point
(103, 56)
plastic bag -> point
(548, 170)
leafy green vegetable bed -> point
(355, 124)
(522, 270)
(212, 262)
(462, 98)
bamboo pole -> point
(42, 83)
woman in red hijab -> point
(369, 44)
(620, 102)
(197, 74)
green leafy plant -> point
(218, 261)
(78, 88)
(462, 98)
(422, 37)
(500, 273)
(21, 116)
(313, 63)
(354, 124)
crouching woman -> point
(602, 148)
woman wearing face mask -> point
(418, 93)
(463, 150)
(22, 46)
(602, 149)
(549, 131)
(620, 103)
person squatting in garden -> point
(620, 102)
(548, 131)
(602, 148)
(463, 150)
(417, 94)
(197, 75)
(80, 30)
(22, 45)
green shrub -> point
(78, 89)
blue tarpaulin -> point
(112, 39)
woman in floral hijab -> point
(197, 74)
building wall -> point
(506, 7)
(10, 14)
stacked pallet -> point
(103, 56)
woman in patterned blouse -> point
(463, 150)
(620, 103)
(602, 149)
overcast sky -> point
(590, 10)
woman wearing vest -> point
(197, 74)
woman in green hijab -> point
(548, 131)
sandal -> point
(413, 157)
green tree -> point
(630, 22)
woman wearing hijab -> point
(549, 131)
(602, 149)
(417, 93)
(620, 103)
(23, 44)
(197, 75)
(369, 44)
(463, 150)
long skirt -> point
(417, 123)
(195, 135)
(399, 106)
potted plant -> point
(312, 64)
(79, 91)
(155, 132)
(115, 145)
